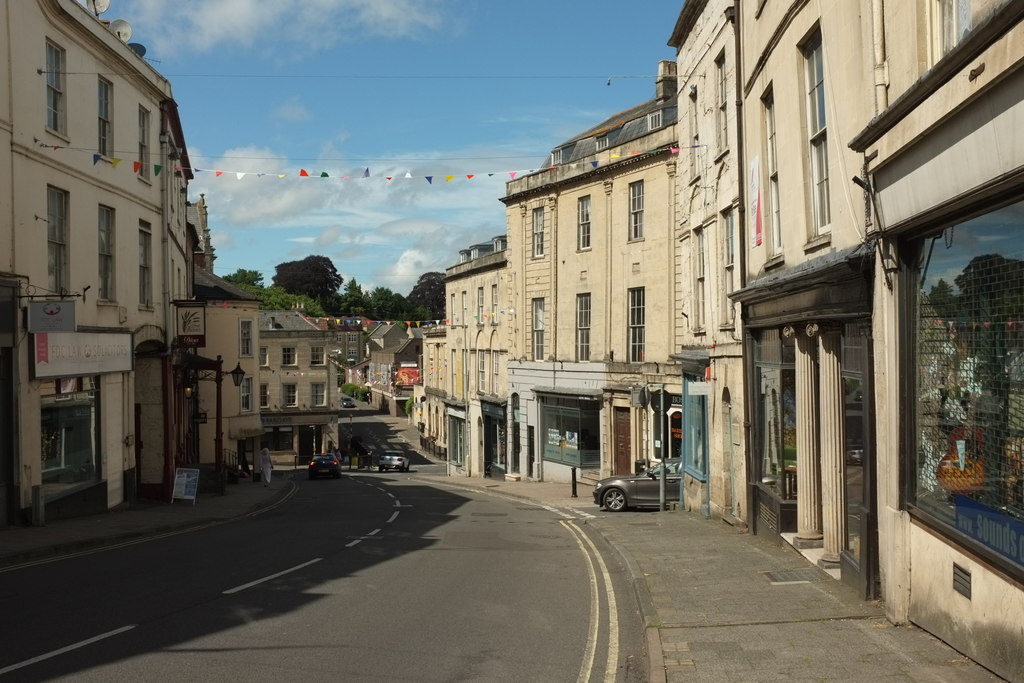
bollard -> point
(574, 482)
(38, 506)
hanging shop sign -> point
(51, 316)
(72, 354)
(190, 324)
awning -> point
(694, 361)
(581, 393)
(244, 426)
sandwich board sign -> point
(186, 484)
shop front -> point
(570, 429)
(494, 427)
(811, 460)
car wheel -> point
(405, 469)
(614, 500)
(380, 469)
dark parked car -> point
(324, 466)
(392, 460)
(347, 402)
(639, 490)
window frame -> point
(245, 395)
(538, 232)
(817, 134)
(104, 117)
(655, 120)
(537, 329)
(56, 110)
(144, 128)
(290, 395)
(584, 319)
(721, 104)
(583, 222)
(245, 328)
(728, 222)
(318, 394)
(289, 356)
(636, 210)
(636, 321)
(700, 246)
(773, 209)
(145, 264)
(264, 395)
(106, 231)
(317, 355)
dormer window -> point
(654, 120)
(556, 157)
(602, 142)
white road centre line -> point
(587, 665)
(257, 582)
(613, 613)
(374, 532)
(393, 517)
(352, 543)
(69, 648)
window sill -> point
(818, 242)
(775, 262)
(721, 156)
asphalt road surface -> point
(382, 577)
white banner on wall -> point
(67, 354)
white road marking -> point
(237, 589)
(613, 614)
(352, 543)
(394, 516)
(595, 612)
(374, 532)
(69, 648)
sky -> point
(372, 89)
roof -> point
(286, 320)
(207, 286)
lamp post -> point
(218, 440)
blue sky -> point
(418, 87)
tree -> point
(388, 305)
(313, 276)
(353, 300)
(246, 278)
(428, 294)
(275, 298)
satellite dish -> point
(139, 48)
(122, 29)
(98, 7)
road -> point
(376, 576)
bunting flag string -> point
(137, 167)
(366, 324)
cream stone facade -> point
(592, 260)
(942, 169)
(709, 261)
(94, 222)
(474, 394)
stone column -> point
(832, 430)
(808, 479)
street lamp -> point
(237, 374)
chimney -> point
(665, 86)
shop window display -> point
(69, 430)
(776, 377)
(969, 360)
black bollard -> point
(574, 482)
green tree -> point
(387, 305)
(314, 276)
(277, 299)
(353, 300)
(246, 278)
(428, 296)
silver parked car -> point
(392, 460)
(639, 490)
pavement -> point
(717, 603)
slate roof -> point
(630, 124)
(206, 286)
(286, 320)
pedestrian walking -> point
(266, 466)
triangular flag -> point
(115, 161)
(430, 180)
(470, 176)
(324, 175)
(302, 172)
(218, 174)
(448, 178)
(240, 175)
(408, 175)
(156, 169)
(387, 177)
(366, 173)
(96, 158)
(614, 156)
(673, 150)
(136, 166)
(512, 175)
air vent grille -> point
(962, 581)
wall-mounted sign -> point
(190, 323)
(70, 354)
(51, 316)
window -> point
(967, 407)
(316, 355)
(145, 264)
(814, 58)
(104, 129)
(774, 411)
(318, 394)
(494, 304)
(721, 104)
(245, 395)
(952, 23)
(263, 356)
(556, 156)
(495, 371)
(289, 395)
(654, 120)
(728, 267)
(105, 271)
(288, 355)
(772, 196)
(538, 329)
(480, 305)
(637, 316)
(57, 239)
(264, 396)
(55, 59)
(583, 223)
(583, 327)
(694, 133)
(70, 422)
(636, 210)
(481, 371)
(245, 338)
(143, 143)
(602, 142)
(538, 232)
(700, 252)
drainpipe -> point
(881, 65)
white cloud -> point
(292, 110)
